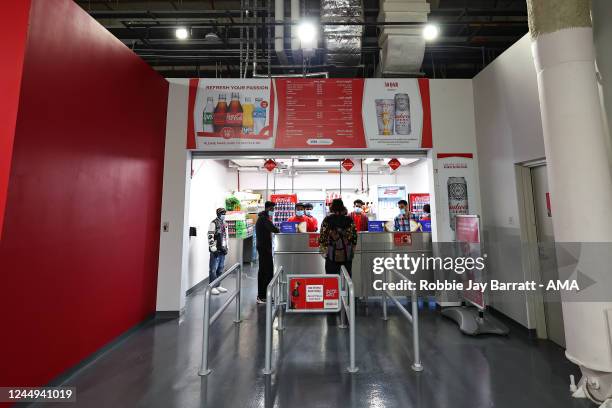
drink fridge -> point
(387, 197)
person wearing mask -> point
(217, 247)
(359, 217)
(300, 216)
(309, 209)
(404, 222)
(264, 228)
(337, 239)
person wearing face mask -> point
(217, 246)
(308, 209)
(264, 228)
(300, 216)
(358, 216)
(404, 222)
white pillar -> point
(579, 175)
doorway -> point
(546, 252)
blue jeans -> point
(216, 265)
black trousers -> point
(332, 267)
(265, 272)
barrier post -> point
(238, 318)
(416, 366)
(384, 297)
(204, 370)
(351, 294)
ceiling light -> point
(181, 33)
(430, 32)
(307, 32)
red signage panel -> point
(313, 293)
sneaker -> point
(261, 301)
(221, 289)
(214, 291)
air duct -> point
(343, 43)
(401, 47)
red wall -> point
(81, 234)
(13, 31)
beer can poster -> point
(309, 113)
(230, 114)
(457, 196)
(312, 293)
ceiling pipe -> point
(279, 31)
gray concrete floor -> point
(157, 366)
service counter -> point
(299, 254)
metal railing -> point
(413, 317)
(347, 294)
(274, 295)
(275, 299)
(208, 321)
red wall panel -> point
(81, 234)
(13, 31)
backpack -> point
(339, 248)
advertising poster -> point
(309, 113)
(456, 177)
(230, 114)
(314, 293)
(468, 240)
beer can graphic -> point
(457, 198)
(402, 114)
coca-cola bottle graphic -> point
(207, 115)
(220, 114)
(234, 115)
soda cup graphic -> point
(385, 115)
(457, 198)
(402, 114)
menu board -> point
(317, 112)
(308, 113)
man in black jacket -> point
(263, 235)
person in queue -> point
(217, 247)
(337, 239)
(358, 215)
(426, 213)
(404, 222)
(300, 216)
(264, 228)
(308, 208)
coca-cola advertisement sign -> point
(309, 113)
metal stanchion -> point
(384, 297)
(238, 318)
(207, 320)
(416, 366)
(344, 303)
(270, 314)
(351, 301)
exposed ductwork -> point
(402, 47)
(343, 43)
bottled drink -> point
(402, 114)
(259, 116)
(220, 114)
(247, 116)
(457, 198)
(234, 115)
(207, 115)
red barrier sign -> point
(313, 240)
(402, 239)
(313, 293)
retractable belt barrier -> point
(208, 321)
(326, 295)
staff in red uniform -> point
(308, 209)
(300, 216)
(358, 216)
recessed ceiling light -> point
(430, 32)
(181, 33)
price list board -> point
(320, 113)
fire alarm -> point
(270, 165)
(394, 164)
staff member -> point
(308, 209)
(403, 221)
(358, 216)
(264, 228)
(217, 246)
(300, 216)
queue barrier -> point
(413, 317)
(277, 296)
(208, 321)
